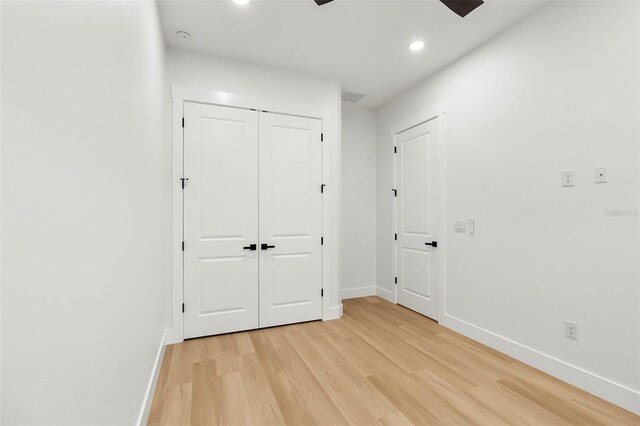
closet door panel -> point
(220, 219)
(290, 219)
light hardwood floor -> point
(379, 364)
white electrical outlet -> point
(602, 175)
(458, 226)
(571, 330)
(568, 178)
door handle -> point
(250, 247)
(432, 244)
(264, 246)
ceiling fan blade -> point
(461, 7)
(321, 2)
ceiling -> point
(363, 43)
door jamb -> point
(182, 94)
(438, 113)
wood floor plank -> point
(342, 382)
(263, 408)
(176, 406)
(180, 367)
(541, 397)
(161, 386)
(469, 407)
(403, 399)
(234, 405)
(290, 404)
(396, 349)
(513, 408)
(314, 397)
(395, 419)
(379, 364)
(205, 392)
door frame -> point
(438, 113)
(180, 95)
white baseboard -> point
(351, 293)
(171, 335)
(601, 387)
(385, 294)
(143, 417)
(335, 312)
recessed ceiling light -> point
(416, 45)
(241, 2)
(183, 35)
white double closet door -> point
(252, 219)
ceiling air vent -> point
(348, 96)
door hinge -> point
(395, 149)
(321, 137)
(395, 237)
(183, 122)
(183, 179)
(322, 188)
(183, 246)
(321, 241)
(322, 292)
(183, 308)
(395, 192)
(396, 280)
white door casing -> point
(417, 218)
(290, 219)
(220, 218)
(181, 96)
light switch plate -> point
(471, 225)
(458, 225)
(568, 178)
(602, 174)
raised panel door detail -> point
(415, 267)
(292, 166)
(220, 218)
(223, 183)
(290, 219)
(293, 283)
(415, 185)
(417, 218)
(217, 297)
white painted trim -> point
(437, 113)
(176, 332)
(334, 312)
(352, 293)
(143, 417)
(601, 387)
(330, 202)
(237, 100)
(385, 294)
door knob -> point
(264, 246)
(250, 247)
(432, 244)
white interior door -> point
(290, 219)
(220, 219)
(417, 218)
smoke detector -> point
(183, 35)
(348, 96)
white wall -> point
(82, 265)
(213, 73)
(358, 201)
(557, 91)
